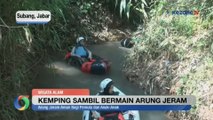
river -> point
(65, 76)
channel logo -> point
(183, 12)
(21, 102)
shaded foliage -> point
(132, 11)
(23, 47)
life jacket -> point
(81, 51)
(112, 116)
(68, 55)
(94, 67)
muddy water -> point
(65, 76)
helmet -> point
(79, 39)
(104, 83)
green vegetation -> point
(174, 54)
(23, 47)
(133, 11)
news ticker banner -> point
(80, 100)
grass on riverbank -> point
(174, 55)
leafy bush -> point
(184, 25)
(135, 11)
(187, 42)
(22, 47)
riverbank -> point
(174, 56)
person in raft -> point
(107, 88)
(80, 51)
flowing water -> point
(65, 76)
